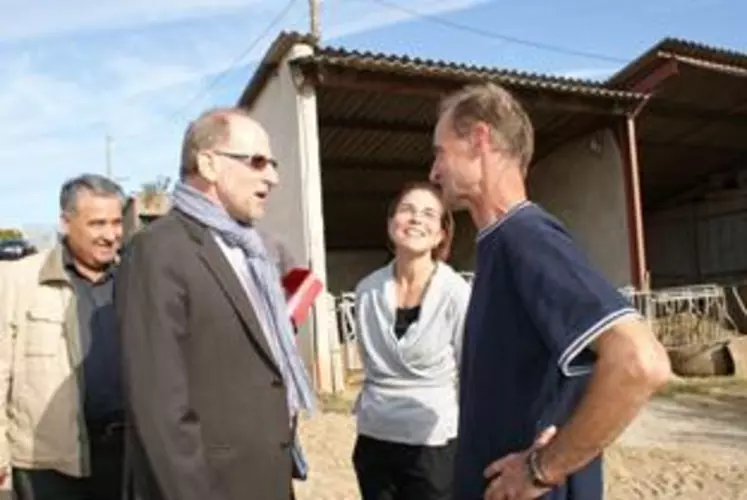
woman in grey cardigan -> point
(410, 320)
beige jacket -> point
(41, 419)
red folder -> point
(301, 289)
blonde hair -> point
(511, 128)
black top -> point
(405, 317)
(99, 343)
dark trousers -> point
(104, 483)
(394, 471)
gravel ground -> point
(690, 448)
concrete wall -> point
(582, 184)
(278, 109)
(700, 242)
(289, 114)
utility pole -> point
(109, 170)
(314, 6)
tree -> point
(10, 234)
(152, 192)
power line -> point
(497, 36)
(177, 113)
(108, 147)
(275, 21)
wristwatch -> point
(535, 473)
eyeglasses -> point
(253, 161)
(427, 214)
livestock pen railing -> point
(348, 333)
(689, 315)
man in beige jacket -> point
(61, 409)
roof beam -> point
(357, 180)
(374, 166)
(331, 195)
(374, 125)
(541, 99)
(699, 148)
(358, 198)
(663, 70)
(325, 76)
(709, 65)
(659, 107)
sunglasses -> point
(255, 161)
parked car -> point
(15, 249)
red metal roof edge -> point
(627, 76)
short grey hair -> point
(510, 126)
(98, 185)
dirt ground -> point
(688, 446)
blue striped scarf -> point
(271, 303)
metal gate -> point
(687, 315)
(348, 333)
(680, 316)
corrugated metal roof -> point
(409, 66)
(614, 88)
(703, 51)
(396, 130)
(676, 47)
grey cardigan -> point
(409, 392)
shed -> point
(692, 154)
(350, 128)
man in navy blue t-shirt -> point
(556, 363)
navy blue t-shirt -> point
(535, 307)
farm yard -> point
(689, 444)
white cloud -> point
(24, 19)
(59, 96)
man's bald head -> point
(211, 129)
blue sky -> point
(74, 70)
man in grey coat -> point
(214, 380)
